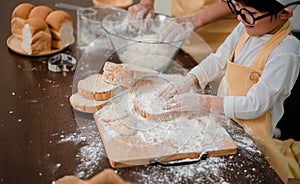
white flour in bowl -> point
(146, 51)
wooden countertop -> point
(43, 139)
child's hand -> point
(181, 86)
(188, 102)
(175, 31)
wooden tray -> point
(15, 44)
(131, 141)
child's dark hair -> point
(270, 6)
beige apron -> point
(214, 34)
(238, 80)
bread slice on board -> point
(85, 105)
(144, 100)
(95, 88)
(125, 74)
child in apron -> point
(259, 62)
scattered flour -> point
(90, 153)
(207, 171)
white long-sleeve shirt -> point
(275, 84)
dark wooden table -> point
(43, 139)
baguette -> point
(85, 105)
(19, 16)
(95, 88)
(61, 27)
(36, 36)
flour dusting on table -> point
(90, 153)
(210, 170)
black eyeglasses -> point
(245, 14)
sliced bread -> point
(95, 88)
(85, 105)
(125, 74)
(144, 100)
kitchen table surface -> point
(43, 139)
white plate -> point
(15, 44)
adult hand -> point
(176, 30)
(180, 86)
(188, 102)
(142, 10)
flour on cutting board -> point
(92, 152)
(178, 132)
(140, 138)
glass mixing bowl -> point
(140, 42)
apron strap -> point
(242, 41)
(239, 45)
(262, 56)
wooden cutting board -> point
(130, 140)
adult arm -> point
(207, 15)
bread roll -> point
(95, 88)
(19, 16)
(40, 12)
(36, 36)
(61, 27)
(107, 176)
